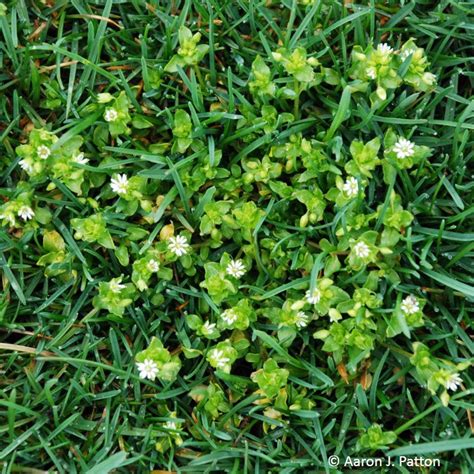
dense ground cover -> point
(236, 236)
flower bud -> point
(304, 220)
(104, 97)
(167, 231)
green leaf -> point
(434, 447)
(342, 113)
(467, 290)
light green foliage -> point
(116, 113)
(222, 356)
(376, 438)
(93, 229)
(19, 211)
(382, 64)
(190, 52)
(42, 160)
(218, 284)
(400, 321)
(238, 316)
(297, 64)
(150, 264)
(417, 75)
(203, 328)
(270, 379)
(261, 83)
(168, 365)
(182, 130)
(419, 152)
(364, 157)
(211, 398)
(114, 296)
(395, 216)
(247, 216)
(234, 236)
(56, 259)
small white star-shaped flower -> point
(314, 297)
(406, 52)
(80, 159)
(208, 327)
(26, 213)
(404, 148)
(26, 166)
(153, 266)
(384, 48)
(119, 184)
(235, 268)
(111, 115)
(43, 152)
(116, 286)
(171, 425)
(453, 382)
(229, 316)
(429, 78)
(178, 245)
(301, 319)
(219, 359)
(148, 369)
(410, 305)
(362, 250)
(351, 187)
(371, 72)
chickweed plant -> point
(236, 236)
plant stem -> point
(296, 109)
(420, 416)
(200, 78)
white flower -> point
(235, 268)
(111, 115)
(371, 72)
(26, 166)
(406, 52)
(384, 48)
(153, 266)
(229, 316)
(314, 297)
(362, 250)
(453, 382)
(351, 187)
(26, 213)
(80, 159)
(404, 148)
(178, 245)
(171, 425)
(429, 78)
(208, 327)
(43, 152)
(148, 369)
(301, 319)
(115, 286)
(410, 305)
(219, 359)
(119, 184)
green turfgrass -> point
(75, 404)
